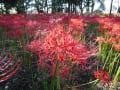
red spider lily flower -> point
(64, 45)
(79, 54)
(18, 33)
(65, 71)
(101, 40)
(77, 24)
(10, 33)
(116, 47)
(62, 70)
(116, 32)
(102, 75)
(76, 21)
(113, 40)
(35, 46)
(7, 29)
(55, 45)
(31, 26)
(65, 19)
(105, 23)
(59, 45)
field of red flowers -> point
(59, 52)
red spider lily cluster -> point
(60, 45)
(102, 75)
(111, 29)
(56, 39)
(36, 23)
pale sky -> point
(116, 4)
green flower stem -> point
(116, 78)
(33, 82)
(99, 54)
(108, 57)
(53, 78)
(95, 82)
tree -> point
(93, 4)
(20, 7)
(8, 4)
(40, 4)
(111, 7)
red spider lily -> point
(101, 40)
(18, 33)
(36, 46)
(59, 42)
(59, 45)
(111, 28)
(77, 24)
(92, 19)
(62, 70)
(115, 32)
(62, 45)
(7, 29)
(116, 26)
(65, 19)
(102, 75)
(8, 67)
(65, 71)
(116, 47)
(31, 25)
(10, 33)
(113, 40)
(106, 23)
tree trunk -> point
(93, 3)
(68, 6)
(7, 9)
(111, 7)
(88, 3)
(46, 5)
(74, 8)
(80, 6)
(2, 11)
